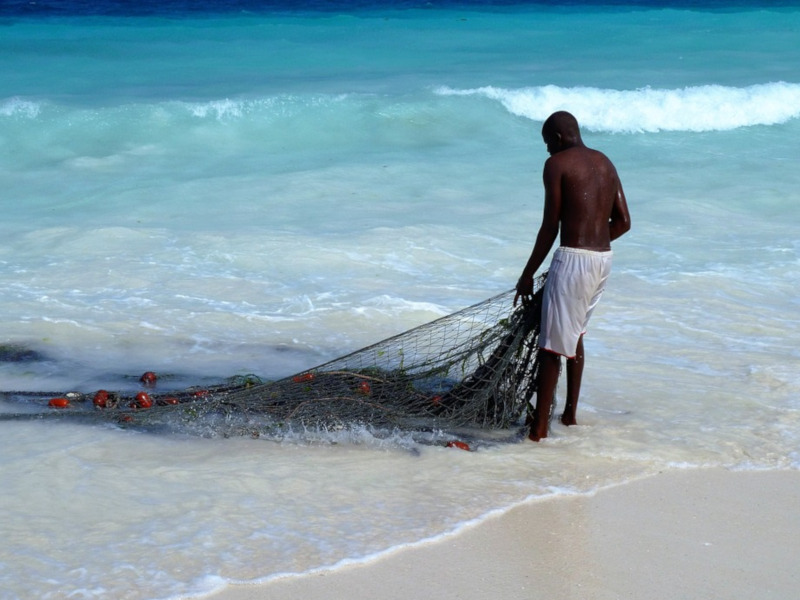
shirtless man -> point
(583, 198)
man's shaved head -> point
(562, 124)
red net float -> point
(458, 444)
(59, 403)
(100, 399)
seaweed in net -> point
(475, 369)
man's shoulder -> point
(595, 158)
(575, 156)
(594, 153)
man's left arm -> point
(620, 221)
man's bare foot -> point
(537, 433)
(568, 419)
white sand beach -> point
(704, 534)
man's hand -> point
(524, 290)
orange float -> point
(59, 403)
(100, 399)
(148, 378)
(303, 377)
(437, 400)
(458, 444)
(364, 388)
(143, 400)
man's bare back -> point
(588, 186)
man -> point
(583, 198)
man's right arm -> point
(548, 231)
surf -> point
(651, 110)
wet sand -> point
(704, 534)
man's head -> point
(560, 131)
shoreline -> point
(700, 533)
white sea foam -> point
(700, 108)
(281, 105)
(17, 107)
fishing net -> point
(472, 370)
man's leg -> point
(549, 366)
(574, 376)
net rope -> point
(476, 368)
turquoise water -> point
(205, 195)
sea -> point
(222, 188)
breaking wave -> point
(700, 108)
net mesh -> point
(475, 369)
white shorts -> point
(573, 287)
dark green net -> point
(472, 370)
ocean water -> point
(216, 189)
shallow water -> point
(211, 195)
